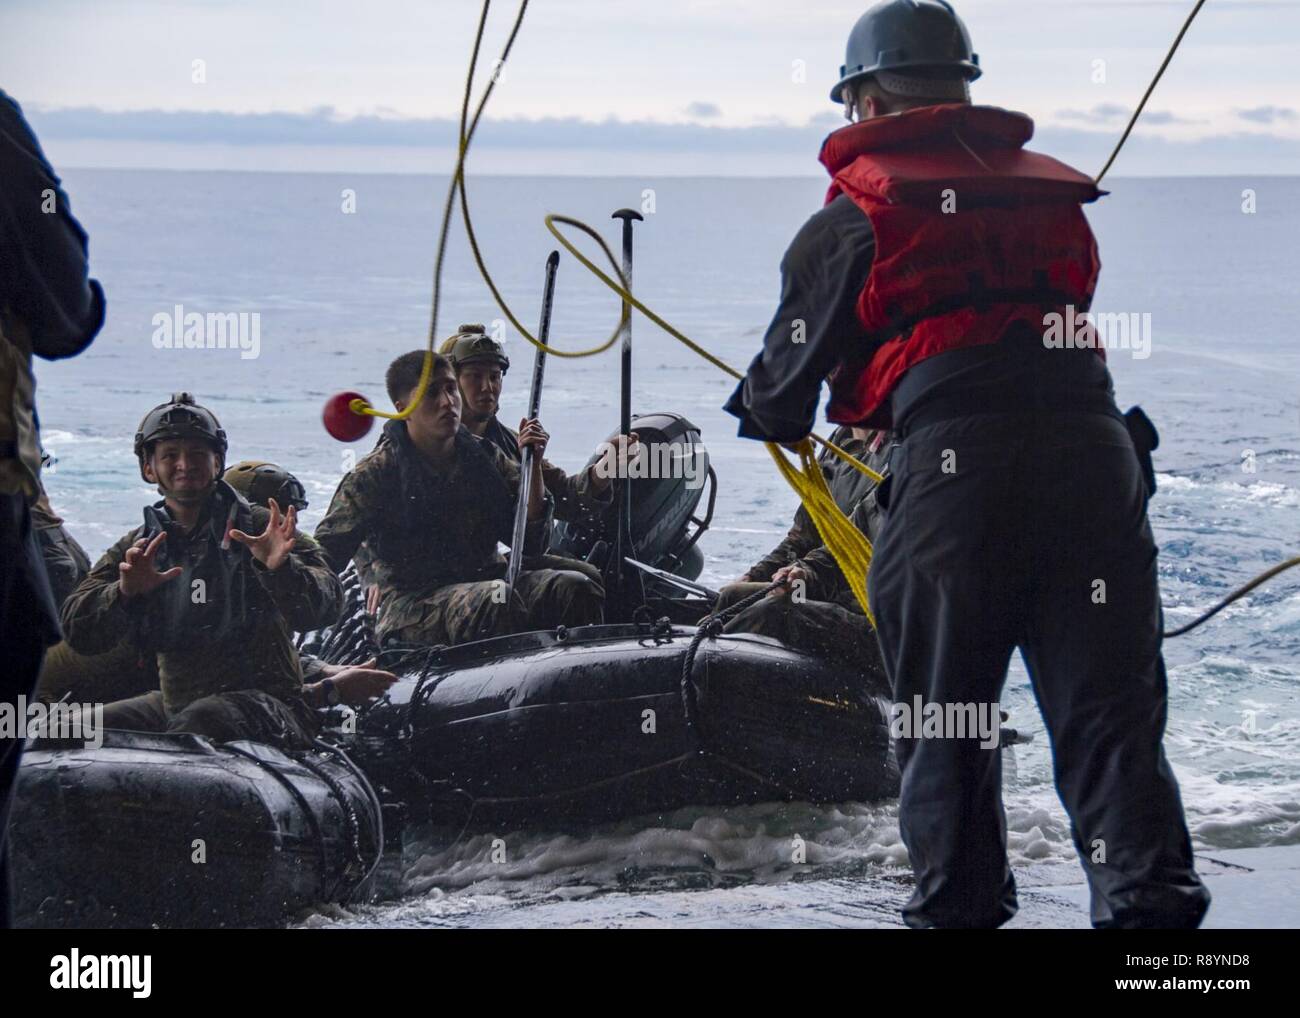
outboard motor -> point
(668, 480)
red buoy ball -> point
(341, 421)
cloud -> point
(324, 126)
(1109, 113)
(321, 139)
(1099, 114)
(703, 110)
(1160, 117)
(827, 119)
(1267, 114)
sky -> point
(608, 87)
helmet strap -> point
(190, 497)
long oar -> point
(616, 581)
(534, 408)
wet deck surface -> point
(1257, 888)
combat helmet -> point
(259, 482)
(179, 417)
(472, 343)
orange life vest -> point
(973, 234)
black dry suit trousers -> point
(1029, 530)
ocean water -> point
(340, 294)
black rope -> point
(350, 820)
(419, 693)
(710, 627)
(301, 799)
(1151, 88)
(1241, 591)
(373, 797)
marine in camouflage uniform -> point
(828, 620)
(126, 671)
(430, 533)
(219, 626)
(576, 497)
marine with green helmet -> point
(324, 684)
(481, 363)
(213, 588)
(259, 482)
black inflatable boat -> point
(567, 726)
(169, 830)
(604, 722)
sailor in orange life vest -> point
(1015, 496)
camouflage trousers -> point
(223, 717)
(824, 628)
(85, 678)
(462, 612)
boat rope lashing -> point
(568, 793)
(350, 818)
(710, 628)
(586, 787)
(350, 821)
(313, 821)
(423, 688)
(372, 796)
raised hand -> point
(272, 546)
(139, 574)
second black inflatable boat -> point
(613, 721)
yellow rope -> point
(848, 545)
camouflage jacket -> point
(422, 529)
(225, 623)
(575, 499)
(847, 487)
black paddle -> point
(534, 408)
